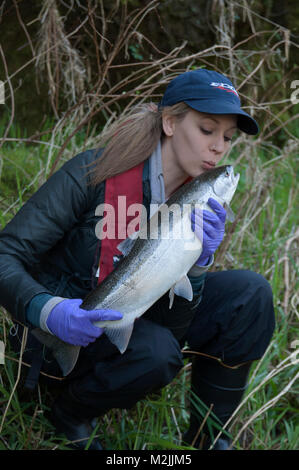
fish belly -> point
(163, 269)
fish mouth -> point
(233, 177)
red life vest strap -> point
(127, 184)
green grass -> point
(263, 239)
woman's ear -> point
(168, 124)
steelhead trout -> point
(156, 260)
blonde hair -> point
(132, 139)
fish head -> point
(225, 184)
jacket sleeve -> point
(38, 226)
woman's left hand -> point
(209, 228)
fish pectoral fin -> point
(126, 245)
(171, 297)
(65, 354)
(183, 288)
(229, 213)
(120, 336)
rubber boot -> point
(66, 421)
(221, 389)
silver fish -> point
(156, 260)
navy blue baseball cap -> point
(209, 92)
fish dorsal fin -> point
(183, 288)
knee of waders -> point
(164, 353)
(153, 358)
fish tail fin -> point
(65, 354)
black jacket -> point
(50, 245)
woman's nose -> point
(218, 145)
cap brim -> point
(247, 124)
(244, 121)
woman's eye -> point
(205, 131)
(227, 139)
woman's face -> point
(197, 142)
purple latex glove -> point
(74, 325)
(209, 228)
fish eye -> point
(228, 171)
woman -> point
(51, 258)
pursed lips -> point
(209, 163)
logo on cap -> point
(225, 87)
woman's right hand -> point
(74, 325)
